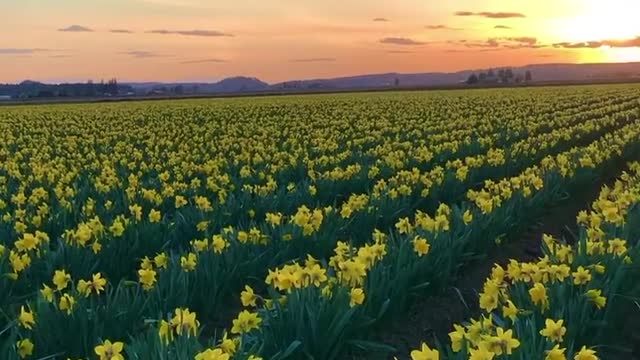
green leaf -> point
(291, 348)
(372, 346)
(420, 286)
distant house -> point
(5, 97)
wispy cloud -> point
(503, 27)
(380, 19)
(402, 41)
(204, 61)
(121, 31)
(491, 15)
(311, 60)
(579, 45)
(635, 42)
(400, 52)
(76, 28)
(204, 33)
(529, 40)
(504, 43)
(624, 43)
(441, 27)
(141, 54)
(21, 51)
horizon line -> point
(53, 82)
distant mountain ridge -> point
(559, 72)
(541, 73)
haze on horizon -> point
(277, 40)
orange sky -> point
(276, 40)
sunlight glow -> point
(270, 36)
(603, 20)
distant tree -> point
(491, 74)
(501, 76)
(518, 79)
(396, 82)
(508, 74)
(90, 89)
(527, 76)
(111, 87)
(45, 93)
(473, 79)
(482, 77)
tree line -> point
(500, 76)
(33, 89)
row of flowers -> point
(78, 279)
(568, 303)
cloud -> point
(503, 43)
(76, 28)
(309, 60)
(502, 27)
(21, 51)
(635, 42)
(491, 15)
(529, 40)
(402, 41)
(205, 33)
(441, 27)
(579, 45)
(204, 61)
(121, 31)
(381, 19)
(502, 15)
(140, 54)
(399, 52)
(624, 43)
(490, 43)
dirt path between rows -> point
(430, 319)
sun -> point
(602, 20)
(622, 54)
(598, 20)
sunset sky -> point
(276, 40)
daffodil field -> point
(296, 227)
(561, 305)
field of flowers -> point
(296, 227)
(571, 299)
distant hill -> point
(542, 73)
(582, 72)
(238, 84)
(375, 81)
